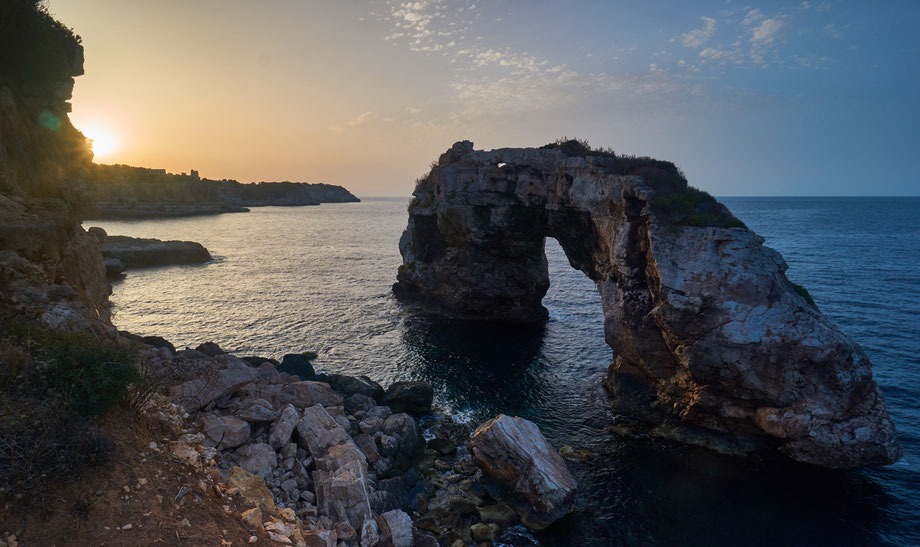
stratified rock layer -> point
(712, 343)
(135, 252)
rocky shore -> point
(331, 459)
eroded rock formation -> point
(712, 344)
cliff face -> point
(121, 191)
(50, 269)
(712, 343)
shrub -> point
(577, 147)
(803, 292)
(34, 47)
(676, 202)
(53, 384)
(93, 376)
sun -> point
(104, 143)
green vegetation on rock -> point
(803, 292)
(675, 202)
(54, 385)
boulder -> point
(402, 427)
(224, 431)
(414, 397)
(258, 459)
(256, 410)
(395, 529)
(326, 441)
(210, 348)
(320, 538)
(255, 361)
(252, 518)
(500, 513)
(370, 425)
(369, 534)
(99, 233)
(358, 403)
(114, 268)
(444, 447)
(251, 489)
(367, 446)
(351, 385)
(269, 372)
(214, 384)
(159, 342)
(514, 453)
(484, 532)
(342, 494)
(306, 394)
(382, 412)
(283, 427)
(299, 365)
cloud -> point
(767, 31)
(697, 37)
(719, 54)
(358, 120)
(831, 30)
(752, 17)
(518, 63)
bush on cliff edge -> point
(54, 385)
(676, 202)
(34, 47)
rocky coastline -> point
(122, 210)
(125, 192)
(332, 459)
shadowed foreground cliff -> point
(712, 344)
(50, 269)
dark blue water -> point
(319, 278)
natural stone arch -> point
(712, 344)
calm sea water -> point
(318, 278)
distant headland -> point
(123, 191)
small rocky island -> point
(712, 344)
(120, 253)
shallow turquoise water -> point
(292, 279)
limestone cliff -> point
(50, 269)
(122, 191)
(712, 344)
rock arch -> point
(712, 344)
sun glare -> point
(103, 141)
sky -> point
(764, 98)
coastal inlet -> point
(323, 283)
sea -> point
(291, 279)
